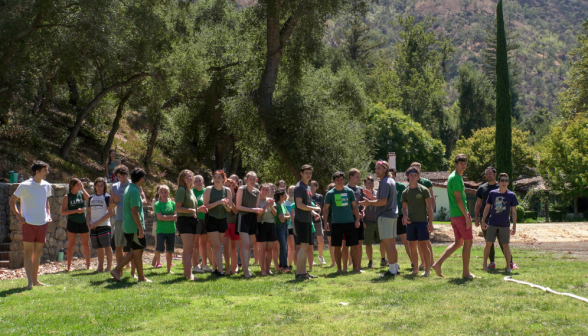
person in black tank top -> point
(217, 200)
(74, 207)
(233, 262)
(247, 219)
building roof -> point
(436, 176)
(532, 183)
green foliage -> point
(520, 213)
(564, 158)
(531, 215)
(557, 215)
(573, 99)
(538, 125)
(504, 141)
(442, 214)
(358, 41)
(480, 151)
(395, 132)
(476, 100)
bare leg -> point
(245, 252)
(214, 239)
(138, 254)
(430, 246)
(310, 256)
(119, 266)
(100, 260)
(119, 257)
(268, 257)
(301, 259)
(414, 257)
(108, 258)
(275, 247)
(467, 250)
(424, 245)
(255, 250)
(345, 256)
(391, 250)
(168, 258)
(448, 252)
(338, 256)
(487, 248)
(29, 248)
(234, 257)
(226, 253)
(262, 246)
(321, 245)
(356, 257)
(210, 255)
(360, 255)
(71, 244)
(507, 256)
(291, 249)
(383, 249)
(156, 255)
(369, 251)
(422, 256)
(36, 261)
(86, 248)
(332, 250)
(188, 243)
(196, 249)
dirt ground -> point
(565, 238)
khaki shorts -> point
(119, 234)
(387, 227)
(503, 233)
(372, 235)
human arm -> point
(137, 219)
(486, 211)
(428, 201)
(101, 220)
(355, 213)
(240, 206)
(206, 200)
(513, 210)
(462, 208)
(84, 192)
(65, 211)
(162, 217)
(180, 197)
(433, 200)
(48, 211)
(477, 210)
(143, 197)
(326, 215)
(305, 207)
(89, 218)
(404, 213)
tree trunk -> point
(236, 157)
(48, 96)
(218, 155)
(547, 208)
(74, 95)
(80, 119)
(155, 133)
(277, 36)
(576, 207)
(115, 125)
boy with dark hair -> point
(345, 221)
(34, 216)
(303, 216)
(427, 183)
(318, 200)
(133, 225)
(372, 235)
(460, 218)
(354, 179)
(499, 205)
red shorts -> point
(459, 228)
(231, 232)
(34, 233)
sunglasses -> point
(504, 181)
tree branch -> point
(13, 45)
(288, 28)
(221, 68)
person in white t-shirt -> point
(101, 208)
(34, 216)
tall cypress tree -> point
(503, 144)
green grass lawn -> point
(86, 303)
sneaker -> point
(310, 276)
(388, 274)
(492, 265)
(206, 269)
(370, 264)
(314, 264)
(514, 266)
(197, 269)
(301, 276)
(384, 262)
(322, 261)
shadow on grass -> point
(460, 281)
(124, 283)
(337, 274)
(179, 278)
(382, 278)
(12, 291)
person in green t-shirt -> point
(74, 207)
(165, 211)
(133, 225)
(460, 218)
(202, 245)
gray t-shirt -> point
(119, 189)
(303, 191)
(387, 190)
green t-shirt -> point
(132, 198)
(425, 182)
(280, 210)
(417, 206)
(340, 201)
(455, 183)
(400, 187)
(188, 200)
(200, 199)
(167, 208)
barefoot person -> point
(74, 206)
(303, 218)
(165, 211)
(217, 199)
(232, 262)
(247, 219)
(345, 220)
(34, 216)
(201, 248)
(318, 224)
(100, 209)
(427, 183)
(418, 219)
(499, 205)
(461, 222)
(481, 198)
(386, 208)
(133, 226)
(266, 230)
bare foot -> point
(437, 269)
(422, 266)
(29, 287)
(108, 270)
(99, 270)
(425, 274)
(115, 275)
(508, 270)
(470, 276)
(134, 276)
(38, 283)
(270, 272)
(415, 272)
(170, 272)
(486, 269)
(339, 271)
(191, 277)
(145, 280)
(358, 271)
(255, 263)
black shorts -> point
(327, 233)
(290, 232)
(347, 229)
(303, 232)
(135, 243)
(360, 231)
(201, 226)
(186, 225)
(266, 232)
(247, 223)
(400, 229)
(216, 224)
(75, 227)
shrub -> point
(557, 215)
(520, 213)
(442, 214)
(531, 214)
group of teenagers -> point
(222, 222)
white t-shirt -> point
(33, 201)
(99, 205)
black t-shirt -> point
(318, 201)
(483, 192)
(302, 190)
(358, 191)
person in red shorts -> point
(34, 216)
(460, 218)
